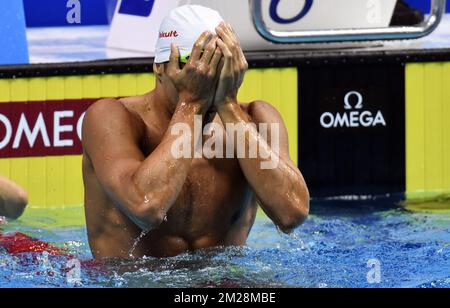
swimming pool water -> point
(332, 249)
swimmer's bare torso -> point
(134, 181)
(215, 207)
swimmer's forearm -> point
(162, 175)
(280, 186)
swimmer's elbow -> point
(296, 217)
(148, 216)
(146, 210)
(293, 222)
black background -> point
(352, 161)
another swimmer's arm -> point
(13, 199)
(277, 182)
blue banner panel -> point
(13, 39)
(137, 7)
(424, 5)
(53, 13)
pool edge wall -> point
(412, 97)
(49, 167)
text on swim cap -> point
(168, 34)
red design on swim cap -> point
(168, 34)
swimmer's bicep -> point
(264, 113)
(110, 140)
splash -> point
(136, 243)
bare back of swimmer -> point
(134, 182)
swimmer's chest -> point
(210, 180)
(215, 193)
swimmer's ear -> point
(158, 69)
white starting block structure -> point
(261, 23)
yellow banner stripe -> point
(427, 129)
(57, 181)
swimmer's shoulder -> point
(110, 114)
(261, 112)
(114, 106)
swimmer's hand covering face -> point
(185, 59)
(234, 68)
(196, 79)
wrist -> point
(227, 104)
(189, 101)
(189, 107)
(232, 113)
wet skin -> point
(133, 182)
(13, 199)
(216, 206)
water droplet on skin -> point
(165, 218)
(136, 243)
(146, 200)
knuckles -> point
(197, 45)
(202, 70)
(189, 68)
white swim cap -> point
(183, 26)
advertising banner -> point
(34, 129)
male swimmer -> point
(135, 183)
(13, 200)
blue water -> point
(331, 249)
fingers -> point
(218, 55)
(174, 64)
(227, 59)
(199, 46)
(221, 64)
(209, 51)
(230, 27)
(229, 37)
(242, 64)
(225, 49)
(224, 33)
